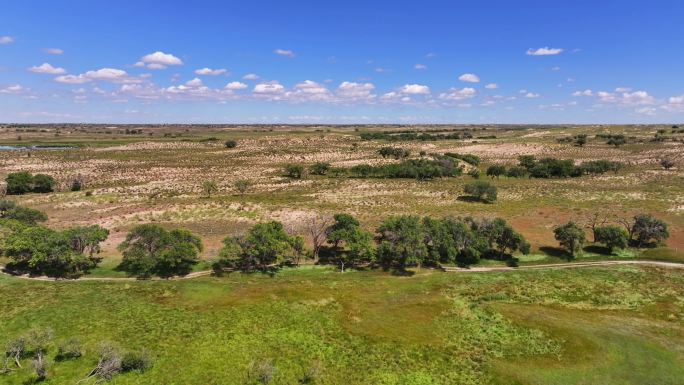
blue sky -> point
(349, 62)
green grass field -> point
(618, 325)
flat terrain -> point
(591, 325)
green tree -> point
(19, 183)
(402, 242)
(612, 236)
(230, 143)
(152, 250)
(209, 187)
(649, 230)
(265, 247)
(570, 236)
(495, 171)
(86, 239)
(527, 161)
(351, 243)
(481, 190)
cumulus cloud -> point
(544, 51)
(268, 88)
(13, 89)
(158, 60)
(458, 94)
(53, 51)
(209, 71)
(196, 82)
(415, 89)
(251, 77)
(6, 40)
(469, 78)
(46, 68)
(531, 95)
(420, 66)
(235, 86)
(107, 74)
(355, 91)
(284, 52)
(492, 86)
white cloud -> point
(456, 94)
(556, 68)
(158, 60)
(623, 89)
(107, 74)
(636, 98)
(646, 111)
(420, 66)
(492, 86)
(6, 40)
(531, 95)
(251, 77)
(209, 71)
(53, 51)
(46, 68)
(268, 88)
(235, 86)
(415, 89)
(72, 79)
(196, 82)
(284, 52)
(586, 92)
(311, 87)
(355, 91)
(13, 89)
(469, 78)
(544, 51)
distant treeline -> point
(412, 136)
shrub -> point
(516, 172)
(19, 183)
(69, 349)
(230, 143)
(320, 168)
(473, 160)
(136, 361)
(649, 230)
(496, 171)
(612, 236)
(481, 190)
(43, 183)
(395, 152)
(10, 210)
(294, 171)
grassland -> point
(617, 325)
(621, 325)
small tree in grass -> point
(209, 187)
(649, 230)
(570, 236)
(242, 185)
(612, 236)
(231, 143)
(481, 190)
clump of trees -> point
(413, 136)
(265, 247)
(38, 250)
(24, 182)
(616, 140)
(564, 168)
(421, 169)
(150, 249)
(481, 190)
(394, 152)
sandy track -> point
(205, 273)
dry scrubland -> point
(154, 177)
(610, 325)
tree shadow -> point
(596, 249)
(556, 252)
(402, 273)
(469, 199)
